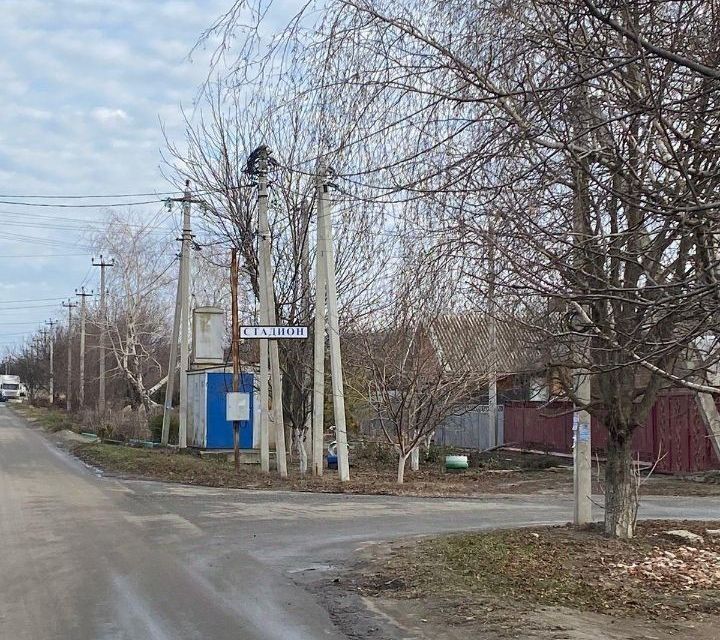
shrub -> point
(155, 425)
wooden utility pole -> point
(51, 324)
(68, 402)
(258, 166)
(103, 328)
(235, 348)
(81, 391)
(338, 393)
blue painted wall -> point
(219, 430)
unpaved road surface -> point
(94, 558)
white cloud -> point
(105, 115)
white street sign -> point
(273, 332)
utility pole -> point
(306, 432)
(170, 384)
(492, 335)
(258, 165)
(338, 393)
(82, 295)
(235, 348)
(184, 316)
(68, 401)
(318, 414)
(582, 449)
(103, 328)
(51, 324)
(180, 326)
(582, 452)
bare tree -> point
(219, 143)
(138, 300)
(397, 369)
(588, 131)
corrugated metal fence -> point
(674, 431)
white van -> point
(10, 387)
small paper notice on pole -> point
(237, 406)
(583, 432)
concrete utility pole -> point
(325, 224)
(258, 163)
(582, 453)
(170, 384)
(68, 402)
(235, 348)
(306, 432)
(103, 328)
(51, 324)
(318, 414)
(492, 336)
(184, 316)
(82, 295)
(180, 327)
(582, 450)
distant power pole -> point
(103, 328)
(51, 324)
(68, 402)
(82, 295)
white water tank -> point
(208, 333)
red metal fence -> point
(674, 431)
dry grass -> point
(367, 476)
(475, 575)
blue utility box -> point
(207, 427)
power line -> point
(62, 205)
(88, 196)
(59, 298)
(48, 255)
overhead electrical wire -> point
(88, 196)
(33, 300)
(63, 205)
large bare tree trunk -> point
(621, 498)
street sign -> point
(272, 333)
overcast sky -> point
(84, 85)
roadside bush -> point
(155, 427)
(373, 453)
(123, 425)
(436, 454)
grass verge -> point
(478, 575)
(50, 419)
